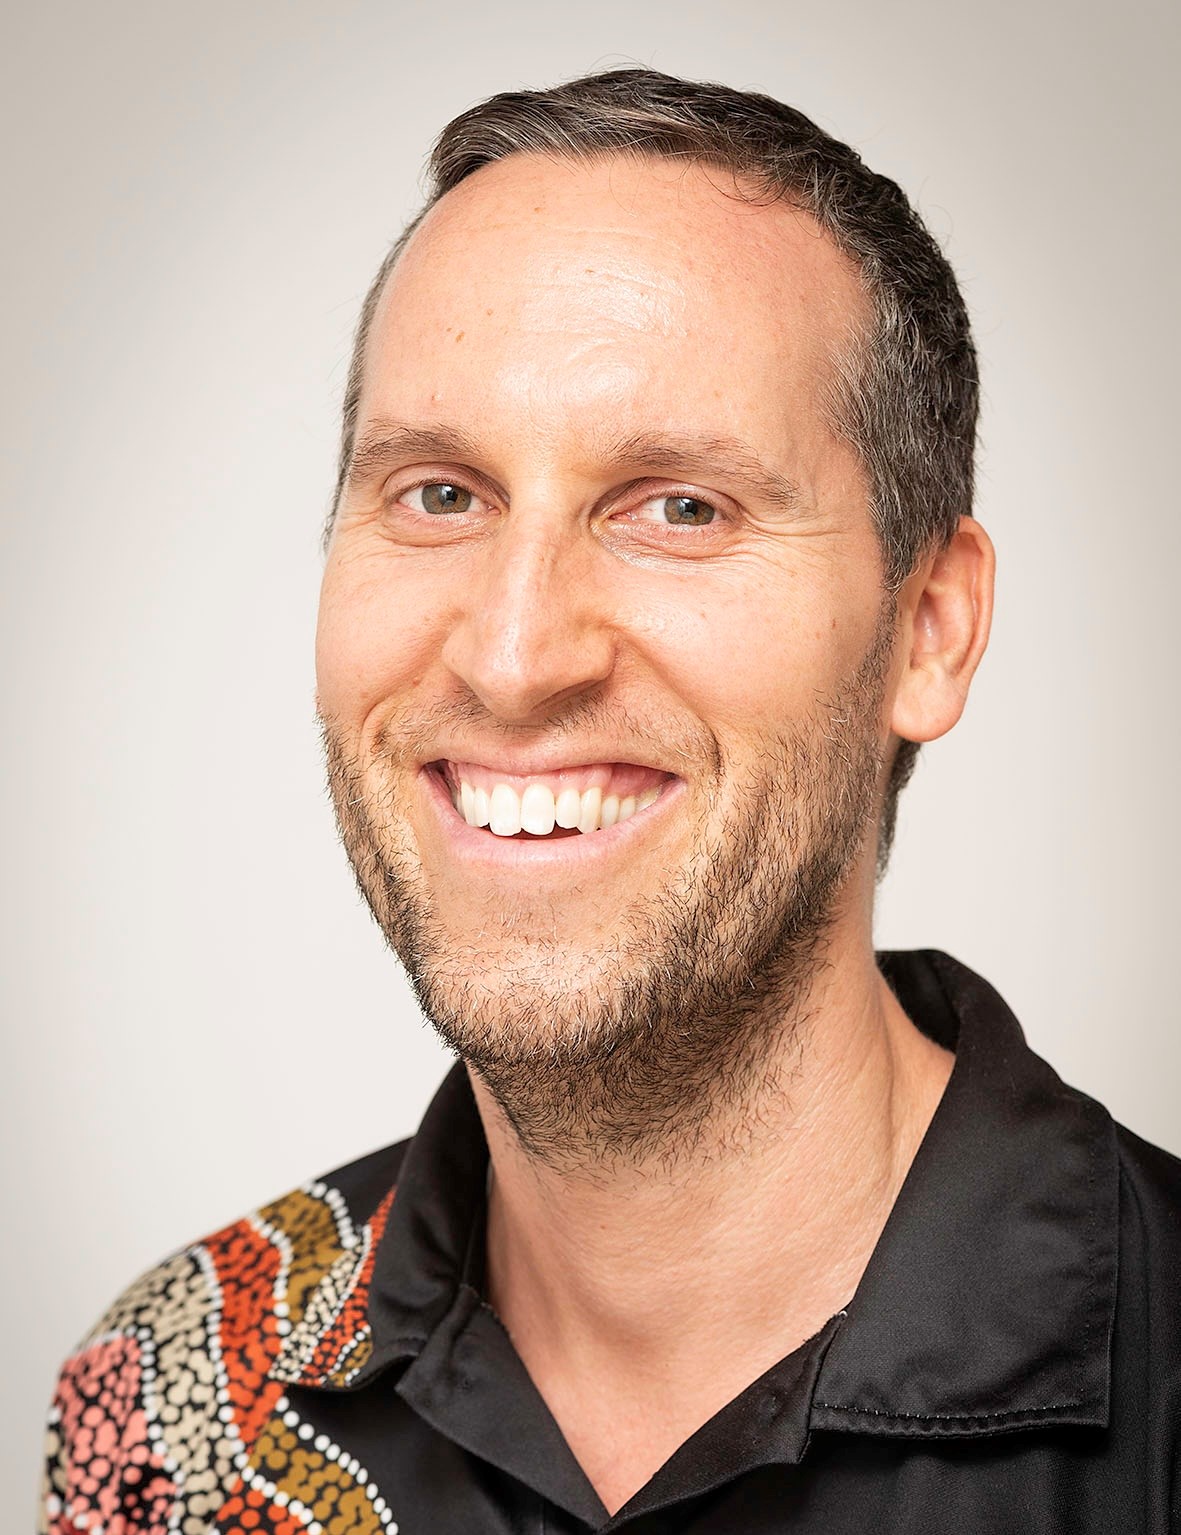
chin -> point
(553, 1000)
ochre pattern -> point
(171, 1417)
(297, 1474)
(316, 1231)
(346, 1343)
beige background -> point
(198, 1013)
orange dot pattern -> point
(171, 1419)
(247, 1266)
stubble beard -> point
(660, 1044)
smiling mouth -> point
(570, 802)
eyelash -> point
(670, 493)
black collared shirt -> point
(1011, 1360)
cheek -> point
(375, 637)
(750, 661)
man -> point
(650, 565)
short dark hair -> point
(906, 395)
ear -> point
(945, 610)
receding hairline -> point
(751, 187)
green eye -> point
(440, 497)
(686, 511)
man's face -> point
(603, 552)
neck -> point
(678, 1279)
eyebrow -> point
(390, 443)
(682, 454)
(677, 455)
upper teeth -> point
(505, 812)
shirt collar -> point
(989, 1301)
(987, 1304)
(391, 1289)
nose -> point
(532, 631)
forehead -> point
(614, 281)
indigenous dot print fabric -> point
(172, 1415)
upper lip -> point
(535, 764)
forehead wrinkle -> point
(569, 296)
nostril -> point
(524, 653)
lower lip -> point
(476, 844)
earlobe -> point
(945, 614)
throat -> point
(645, 1296)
